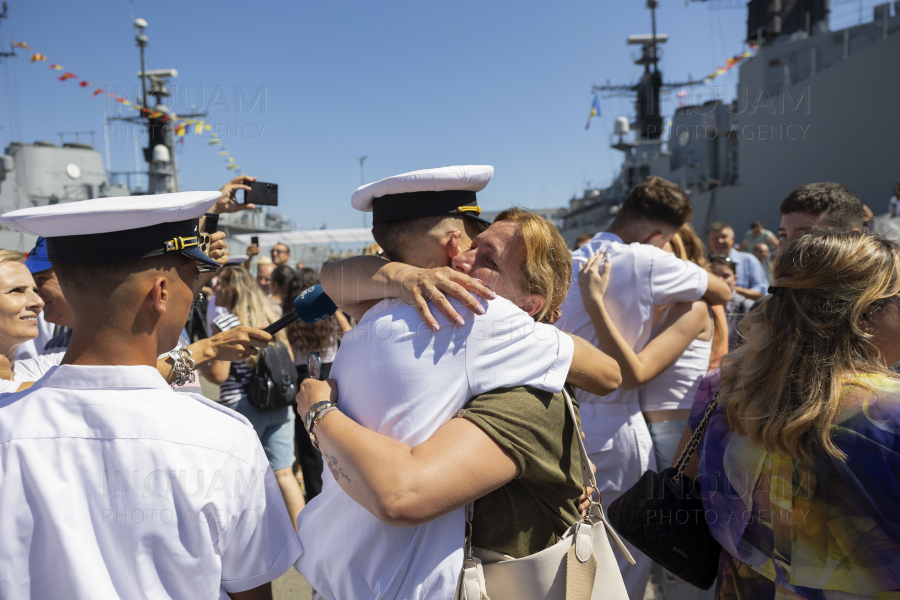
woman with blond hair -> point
(800, 461)
(236, 291)
(19, 309)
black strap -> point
(692, 444)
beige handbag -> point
(581, 566)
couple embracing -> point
(439, 411)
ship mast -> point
(648, 124)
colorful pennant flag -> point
(181, 127)
(730, 64)
(595, 111)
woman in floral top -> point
(800, 463)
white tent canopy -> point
(310, 237)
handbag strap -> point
(587, 475)
(692, 444)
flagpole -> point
(362, 179)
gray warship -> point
(811, 105)
(44, 172)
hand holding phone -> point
(210, 226)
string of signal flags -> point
(181, 127)
(729, 64)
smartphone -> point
(261, 193)
(210, 226)
(254, 239)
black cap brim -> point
(197, 255)
(482, 223)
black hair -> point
(835, 201)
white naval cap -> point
(431, 192)
(106, 230)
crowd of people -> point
(437, 398)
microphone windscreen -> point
(313, 305)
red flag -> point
(65, 76)
(84, 83)
(37, 56)
(97, 91)
(57, 67)
(20, 45)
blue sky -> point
(412, 84)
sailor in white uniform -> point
(398, 377)
(113, 485)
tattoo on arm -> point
(336, 471)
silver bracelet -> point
(183, 370)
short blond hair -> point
(547, 270)
(11, 256)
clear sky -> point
(411, 84)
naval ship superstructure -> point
(811, 105)
(43, 172)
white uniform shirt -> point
(399, 378)
(32, 369)
(114, 486)
(643, 276)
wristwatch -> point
(314, 416)
(311, 413)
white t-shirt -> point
(398, 377)
(114, 486)
(32, 369)
(643, 276)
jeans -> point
(275, 428)
(666, 435)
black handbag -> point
(273, 383)
(663, 516)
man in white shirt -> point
(401, 378)
(644, 276)
(115, 486)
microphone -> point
(311, 306)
